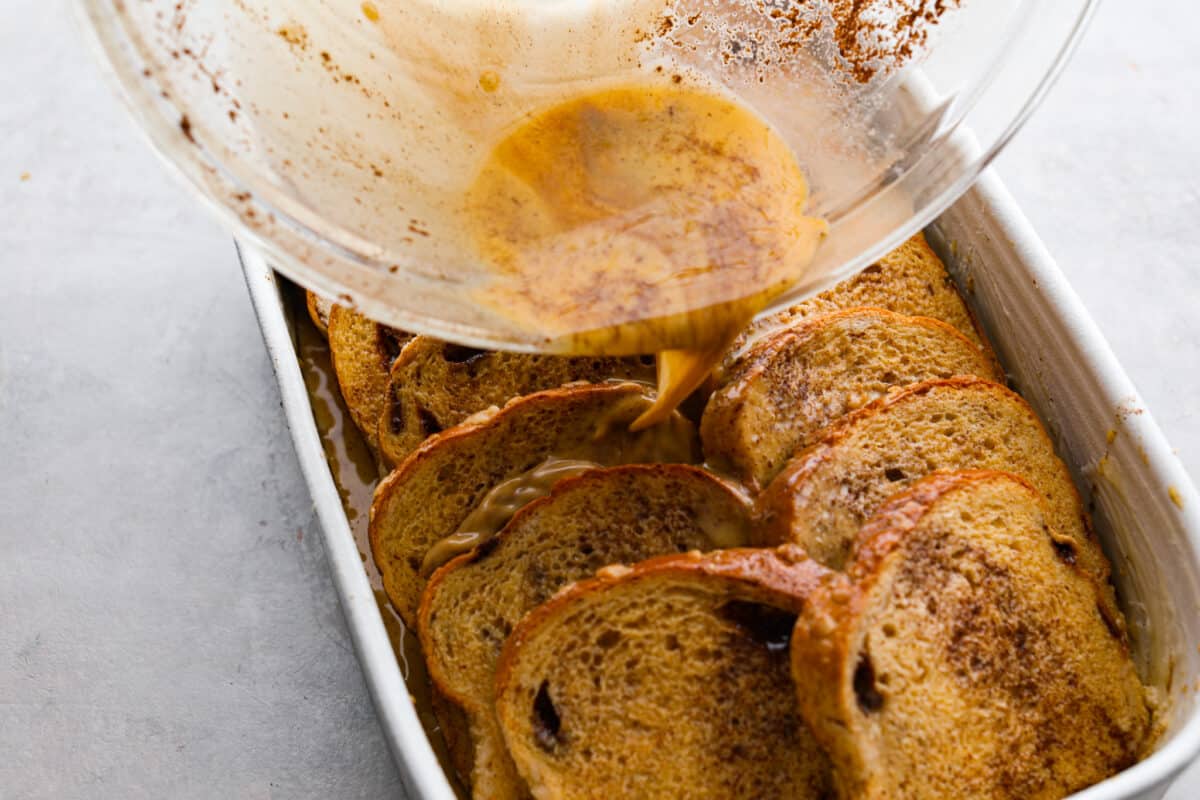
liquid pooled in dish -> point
(641, 219)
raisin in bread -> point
(826, 492)
(966, 654)
(666, 679)
(606, 516)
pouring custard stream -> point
(641, 219)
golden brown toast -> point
(965, 654)
(910, 280)
(427, 497)
(791, 385)
(318, 311)
(606, 516)
(435, 385)
(666, 679)
(828, 491)
(362, 352)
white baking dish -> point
(1146, 510)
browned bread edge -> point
(727, 404)
(452, 436)
(822, 644)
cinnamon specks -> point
(185, 125)
(867, 38)
(296, 35)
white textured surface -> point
(167, 625)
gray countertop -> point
(167, 623)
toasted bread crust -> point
(318, 311)
(789, 513)
(565, 486)
(790, 766)
(434, 385)
(792, 384)
(845, 670)
(362, 352)
(614, 514)
(425, 498)
(782, 577)
(909, 280)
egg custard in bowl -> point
(648, 219)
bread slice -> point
(435, 385)
(966, 655)
(909, 280)
(665, 679)
(318, 311)
(616, 515)
(792, 384)
(431, 493)
(362, 352)
(825, 493)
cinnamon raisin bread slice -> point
(909, 280)
(966, 654)
(362, 352)
(666, 679)
(506, 457)
(825, 493)
(606, 516)
(435, 385)
(789, 386)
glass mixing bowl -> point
(339, 137)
